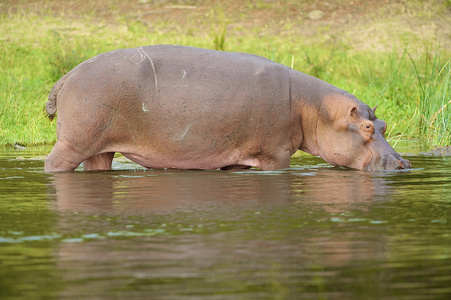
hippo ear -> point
(353, 112)
(374, 109)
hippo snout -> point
(403, 164)
(390, 162)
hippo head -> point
(349, 134)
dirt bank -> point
(362, 24)
(438, 151)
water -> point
(311, 232)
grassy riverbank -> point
(393, 55)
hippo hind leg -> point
(100, 161)
(63, 158)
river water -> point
(310, 232)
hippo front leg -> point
(276, 161)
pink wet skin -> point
(181, 107)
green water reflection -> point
(309, 232)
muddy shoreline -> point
(438, 151)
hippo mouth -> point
(404, 164)
(389, 164)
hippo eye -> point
(368, 127)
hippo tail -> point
(51, 106)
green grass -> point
(412, 90)
(434, 81)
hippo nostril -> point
(401, 165)
(407, 164)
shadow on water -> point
(312, 231)
(160, 191)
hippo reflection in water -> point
(181, 107)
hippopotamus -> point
(167, 106)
